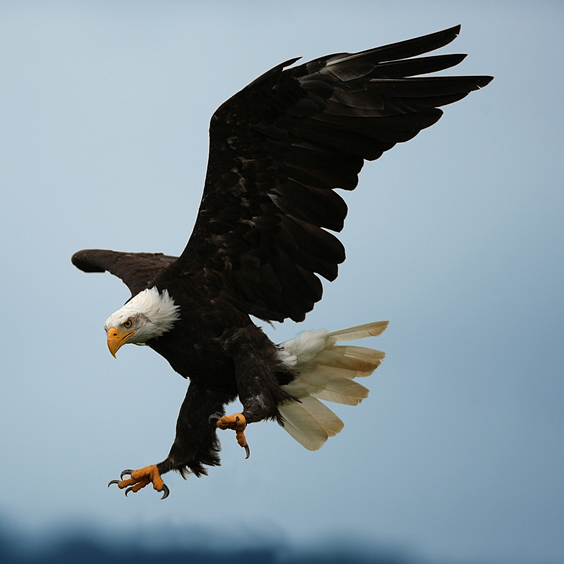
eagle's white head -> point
(146, 316)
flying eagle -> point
(278, 150)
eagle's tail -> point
(325, 371)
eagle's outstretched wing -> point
(280, 146)
(136, 270)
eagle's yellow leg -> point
(138, 479)
(238, 423)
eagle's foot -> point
(238, 423)
(138, 479)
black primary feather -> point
(278, 150)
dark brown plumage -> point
(278, 149)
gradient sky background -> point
(456, 237)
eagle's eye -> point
(127, 323)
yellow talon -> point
(140, 478)
(238, 423)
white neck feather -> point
(158, 310)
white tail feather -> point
(310, 423)
(359, 332)
(325, 371)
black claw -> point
(166, 491)
(130, 488)
(126, 473)
(113, 482)
(247, 452)
(215, 417)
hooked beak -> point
(117, 338)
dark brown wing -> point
(136, 270)
(278, 149)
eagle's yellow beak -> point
(117, 338)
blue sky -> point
(456, 237)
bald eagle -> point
(278, 150)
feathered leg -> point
(257, 370)
(195, 446)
